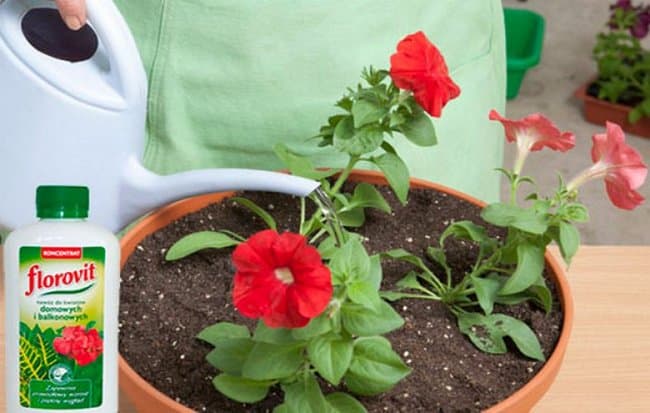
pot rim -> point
(158, 219)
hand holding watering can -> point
(81, 121)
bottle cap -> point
(62, 201)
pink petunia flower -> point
(619, 164)
(533, 133)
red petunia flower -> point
(533, 133)
(419, 67)
(621, 166)
(281, 279)
(81, 345)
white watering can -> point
(72, 112)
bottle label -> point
(61, 327)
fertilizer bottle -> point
(61, 295)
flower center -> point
(284, 274)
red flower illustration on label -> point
(419, 67)
(84, 346)
(281, 279)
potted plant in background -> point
(621, 91)
(323, 337)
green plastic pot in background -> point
(524, 40)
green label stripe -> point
(96, 254)
(79, 291)
(30, 254)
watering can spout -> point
(144, 191)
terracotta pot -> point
(599, 111)
(149, 400)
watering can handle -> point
(113, 32)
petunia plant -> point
(316, 322)
(510, 271)
(623, 61)
(387, 105)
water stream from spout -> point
(333, 221)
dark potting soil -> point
(165, 304)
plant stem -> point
(345, 173)
(318, 235)
(433, 281)
(469, 304)
(513, 190)
(302, 215)
(432, 297)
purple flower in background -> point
(640, 28)
(622, 4)
(641, 25)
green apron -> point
(228, 79)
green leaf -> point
(362, 321)
(364, 294)
(300, 165)
(344, 403)
(350, 263)
(257, 210)
(331, 356)
(199, 241)
(396, 120)
(405, 256)
(281, 408)
(328, 248)
(354, 218)
(375, 272)
(469, 231)
(410, 281)
(367, 196)
(393, 296)
(241, 389)
(504, 215)
(267, 334)
(438, 255)
(530, 264)
(486, 290)
(419, 129)
(576, 212)
(268, 361)
(316, 327)
(487, 332)
(344, 130)
(375, 367)
(466, 230)
(230, 355)
(635, 115)
(538, 292)
(365, 112)
(387, 147)
(345, 103)
(304, 396)
(569, 241)
(223, 331)
(542, 295)
(359, 141)
(396, 173)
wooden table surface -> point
(607, 365)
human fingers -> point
(73, 12)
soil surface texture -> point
(165, 304)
